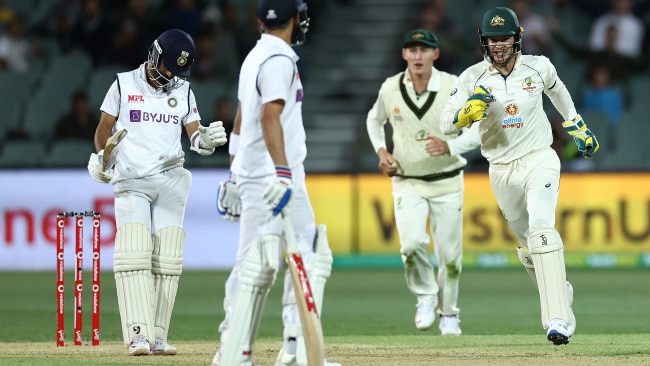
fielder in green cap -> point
(426, 170)
(501, 97)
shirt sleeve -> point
(111, 103)
(456, 101)
(194, 111)
(375, 122)
(468, 140)
(275, 77)
(558, 93)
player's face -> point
(155, 77)
(420, 58)
(501, 48)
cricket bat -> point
(110, 151)
(312, 329)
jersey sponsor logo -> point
(512, 122)
(299, 95)
(397, 116)
(137, 115)
(453, 91)
(135, 99)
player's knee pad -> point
(167, 257)
(167, 266)
(256, 276)
(547, 253)
(133, 248)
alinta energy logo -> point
(513, 121)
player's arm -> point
(375, 122)
(272, 129)
(104, 130)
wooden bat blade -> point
(311, 326)
(110, 151)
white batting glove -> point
(228, 200)
(278, 193)
(95, 168)
(213, 135)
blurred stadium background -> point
(51, 50)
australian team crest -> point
(497, 20)
(182, 59)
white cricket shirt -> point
(516, 124)
(269, 73)
(154, 121)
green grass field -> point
(367, 320)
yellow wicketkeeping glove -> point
(475, 109)
(582, 136)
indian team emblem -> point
(497, 20)
(182, 59)
(172, 102)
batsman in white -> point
(151, 187)
(504, 92)
(270, 178)
(427, 176)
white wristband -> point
(233, 145)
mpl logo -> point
(135, 99)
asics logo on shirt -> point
(136, 115)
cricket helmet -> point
(175, 49)
(276, 13)
(500, 22)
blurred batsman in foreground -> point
(151, 187)
(268, 144)
(501, 97)
(427, 176)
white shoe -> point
(558, 332)
(140, 346)
(449, 325)
(287, 359)
(217, 359)
(161, 347)
(425, 315)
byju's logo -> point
(137, 115)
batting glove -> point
(582, 136)
(278, 193)
(229, 200)
(475, 108)
(95, 168)
(209, 138)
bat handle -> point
(289, 233)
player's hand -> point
(475, 108)
(387, 163)
(582, 136)
(278, 193)
(436, 146)
(95, 168)
(210, 137)
(229, 200)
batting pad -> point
(167, 266)
(547, 252)
(134, 281)
(256, 276)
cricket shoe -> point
(216, 361)
(558, 332)
(425, 315)
(449, 325)
(140, 346)
(287, 359)
(162, 348)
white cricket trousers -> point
(445, 216)
(527, 191)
